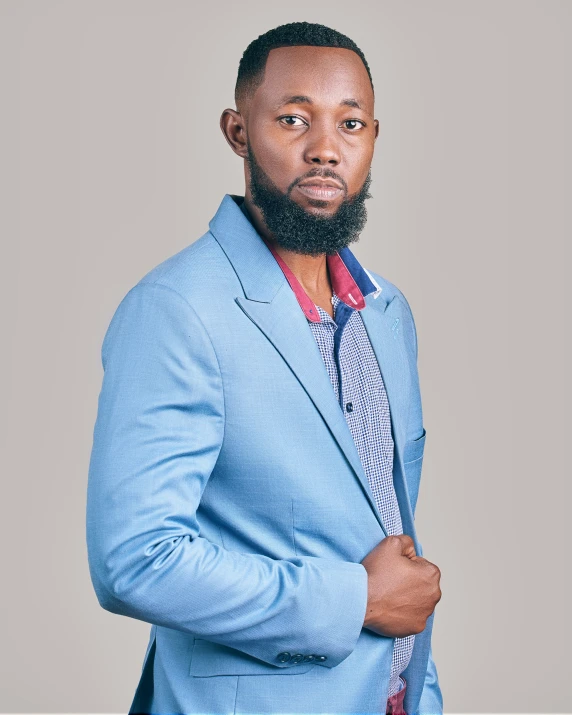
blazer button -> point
(321, 658)
(284, 657)
(298, 658)
(350, 406)
(309, 658)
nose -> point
(322, 147)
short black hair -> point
(294, 34)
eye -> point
(292, 121)
(353, 124)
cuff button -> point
(284, 657)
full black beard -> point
(293, 228)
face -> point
(307, 135)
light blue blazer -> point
(226, 502)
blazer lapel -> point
(272, 306)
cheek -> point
(277, 152)
(358, 166)
(277, 156)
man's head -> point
(304, 125)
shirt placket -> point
(342, 314)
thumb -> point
(407, 547)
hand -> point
(403, 589)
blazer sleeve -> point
(157, 436)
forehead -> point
(321, 73)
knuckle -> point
(434, 570)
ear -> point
(233, 127)
(376, 128)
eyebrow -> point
(303, 99)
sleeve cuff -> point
(348, 614)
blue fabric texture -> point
(227, 504)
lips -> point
(325, 190)
(321, 183)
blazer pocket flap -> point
(210, 658)
(414, 448)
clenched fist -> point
(403, 589)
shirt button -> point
(284, 657)
(350, 406)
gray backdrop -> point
(112, 160)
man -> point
(259, 439)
